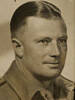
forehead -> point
(37, 26)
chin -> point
(56, 75)
(47, 76)
(52, 75)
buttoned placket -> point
(46, 94)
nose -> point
(55, 50)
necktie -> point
(37, 96)
(42, 95)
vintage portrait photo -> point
(37, 50)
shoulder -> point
(65, 87)
(6, 92)
(69, 85)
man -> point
(39, 37)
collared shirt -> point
(25, 85)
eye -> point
(45, 41)
(62, 40)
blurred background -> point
(7, 7)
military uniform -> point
(15, 86)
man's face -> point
(45, 46)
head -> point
(39, 36)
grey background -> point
(7, 8)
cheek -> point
(63, 51)
(32, 54)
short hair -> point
(41, 9)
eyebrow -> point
(63, 37)
(42, 38)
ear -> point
(18, 47)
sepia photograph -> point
(37, 50)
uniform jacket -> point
(13, 86)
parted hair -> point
(41, 9)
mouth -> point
(53, 65)
(50, 62)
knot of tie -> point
(42, 95)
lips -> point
(46, 62)
(53, 65)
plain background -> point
(7, 7)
